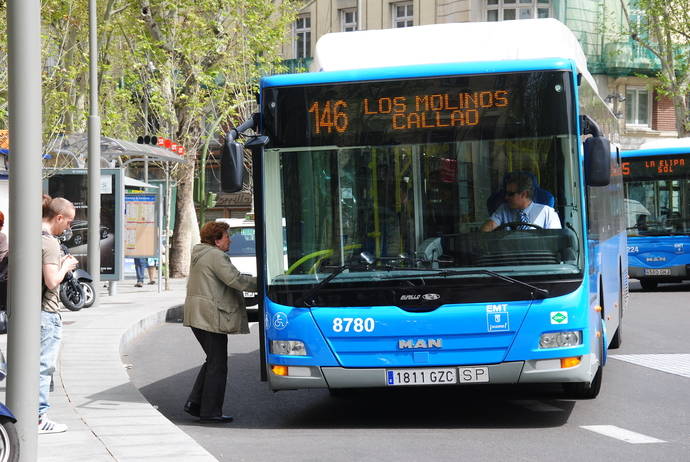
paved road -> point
(640, 415)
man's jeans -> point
(140, 265)
(51, 336)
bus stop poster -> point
(141, 231)
(72, 184)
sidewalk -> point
(108, 418)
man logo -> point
(406, 344)
(431, 296)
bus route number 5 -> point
(353, 324)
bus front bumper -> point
(531, 371)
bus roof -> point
(450, 43)
(662, 147)
(667, 143)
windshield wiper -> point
(306, 298)
(445, 273)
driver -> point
(519, 208)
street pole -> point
(26, 147)
(94, 172)
(168, 214)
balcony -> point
(298, 65)
(628, 58)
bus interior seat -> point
(541, 196)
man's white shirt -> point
(538, 214)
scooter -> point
(9, 440)
(76, 290)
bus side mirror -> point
(597, 161)
(231, 167)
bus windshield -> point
(656, 190)
(409, 171)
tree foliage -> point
(183, 69)
(664, 29)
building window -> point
(303, 36)
(402, 14)
(506, 10)
(348, 19)
(637, 106)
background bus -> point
(383, 167)
(657, 191)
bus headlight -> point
(568, 338)
(288, 347)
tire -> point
(77, 239)
(72, 295)
(89, 294)
(584, 390)
(648, 285)
(617, 338)
(9, 440)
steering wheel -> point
(514, 225)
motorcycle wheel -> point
(89, 293)
(72, 295)
(9, 441)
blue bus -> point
(657, 199)
(384, 164)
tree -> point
(207, 56)
(186, 70)
(663, 28)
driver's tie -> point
(523, 219)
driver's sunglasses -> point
(512, 193)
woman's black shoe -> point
(192, 408)
(216, 419)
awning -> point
(137, 183)
(112, 149)
(6, 152)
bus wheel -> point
(584, 390)
(647, 284)
(581, 390)
(617, 339)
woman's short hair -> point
(53, 207)
(213, 231)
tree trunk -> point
(680, 105)
(186, 233)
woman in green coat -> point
(214, 307)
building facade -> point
(618, 64)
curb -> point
(173, 314)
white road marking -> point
(678, 364)
(536, 406)
(622, 434)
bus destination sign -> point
(418, 110)
(407, 112)
(657, 166)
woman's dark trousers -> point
(209, 387)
